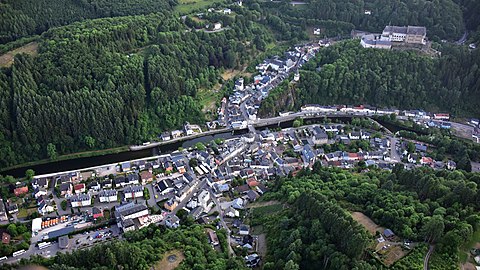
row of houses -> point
(371, 110)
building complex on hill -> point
(395, 35)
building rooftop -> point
(63, 242)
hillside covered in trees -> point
(349, 74)
(20, 18)
(316, 230)
(443, 18)
(114, 81)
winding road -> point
(427, 257)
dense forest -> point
(443, 18)
(20, 18)
(317, 232)
(349, 74)
(142, 249)
(114, 81)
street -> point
(393, 150)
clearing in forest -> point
(6, 60)
(366, 222)
(187, 6)
(170, 260)
(262, 204)
(230, 73)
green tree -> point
(200, 146)
(193, 162)
(29, 174)
(52, 151)
(433, 229)
(12, 230)
(90, 141)
(63, 205)
(291, 265)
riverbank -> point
(86, 154)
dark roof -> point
(252, 195)
(107, 193)
(61, 232)
(132, 177)
(262, 188)
(65, 186)
(416, 30)
(63, 241)
(188, 176)
(80, 197)
(388, 233)
(128, 223)
(119, 180)
(395, 29)
(128, 209)
(96, 210)
(244, 227)
(164, 184)
(242, 188)
(133, 189)
(40, 181)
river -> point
(85, 162)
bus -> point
(18, 253)
(44, 245)
(3, 258)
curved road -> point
(427, 257)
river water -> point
(85, 162)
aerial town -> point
(212, 182)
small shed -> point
(388, 233)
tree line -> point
(26, 17)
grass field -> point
(266, 210)
(166, 264)
(188, 6)
(366, 222)
(6, 60)
(209, 97)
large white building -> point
(373, 41)
(203, 198)
(127, 213)
(407, 34)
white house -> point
(108, 195)
(217, 26)
(79, 200)
(227, 11)
(133, 192)
(203, 198)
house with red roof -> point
(252, 182)
(5, 238)
(79, 188)
(20, 191)
(97, 213)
